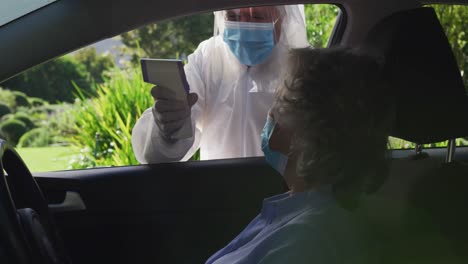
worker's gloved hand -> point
(170, 113)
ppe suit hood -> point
(293, 27)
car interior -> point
(423, 187)
(183, 212)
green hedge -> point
(36, 102)
(12, 130)
(7, 98)
(4, 110)
(6, 117)
(38, 137)
(23, 117)
(21, 99)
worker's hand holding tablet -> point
(173, 102)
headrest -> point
(431, 102)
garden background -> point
(77, 111)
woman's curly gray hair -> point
(337, 104)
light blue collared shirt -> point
(306, 227)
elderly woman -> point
(326, 134)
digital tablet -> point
(166, 73)
(171, 75)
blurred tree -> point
(170, 39)
(52, 80)
(320, 20)
(454, 20)
(96, 65)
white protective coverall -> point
(233, 99)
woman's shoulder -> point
(317, 219)
(327, 235)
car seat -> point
(418, 214)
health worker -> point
(232, 77)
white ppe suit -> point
(233, 99)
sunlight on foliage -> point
(454, 19)
(320, 20)
(397, 143)
(104, 123)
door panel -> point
(166, 213)
(178, 212)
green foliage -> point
(169, 39)
(196, 156)
(61, 123)
(96, 65)
(21, 99)
(4, 110)
(12, 129)
(7, 117)
(8, 98)
(52, 80)
(57, 119)
(23, 117)
(36, 102)
(320, 20)
(454, 19)
(38, 137)
(104, 123)
(397, 143)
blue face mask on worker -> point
(250, 42)
(275, 159)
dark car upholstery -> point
(183, 213)
(427, 84)
(418, 214)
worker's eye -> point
(232, 17)
(257, 17)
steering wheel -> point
(27, 231)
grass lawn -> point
(48, 158)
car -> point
(183, 212)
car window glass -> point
(453, 19)
(13, 9)
(78, 111)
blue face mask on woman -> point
(275, 159)
(250, 42)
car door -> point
(166, 213)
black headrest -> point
(431, 101)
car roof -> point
(67, 25)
